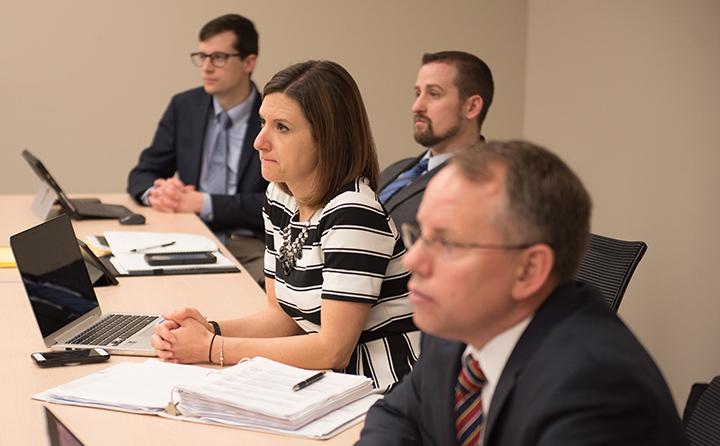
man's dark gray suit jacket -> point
(577, 376)
(178, 147)
(403, 206)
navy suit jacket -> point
(403, 206)
(577, 376)
(178, 147)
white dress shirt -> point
(493, 357)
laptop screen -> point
(54, 274)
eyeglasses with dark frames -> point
(411, 234)
(217, 59)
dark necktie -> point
(403, 180)
(468, 403)
(217, 169)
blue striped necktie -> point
(217, 169)
(403, 180)
(468, 403)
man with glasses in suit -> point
(453, 93)
(202, 159)
(516, 352)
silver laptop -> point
(63, 299)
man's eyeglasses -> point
(411, 234)
(218, 60)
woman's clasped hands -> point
(184, 337)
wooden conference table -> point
(218, 296)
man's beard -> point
(428, 138)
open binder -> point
(255, 394)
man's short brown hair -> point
(546, 202)
(246, 37)
(331, 102)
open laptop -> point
(63, 299)
(77, 209)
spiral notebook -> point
(129, 249)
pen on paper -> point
(152, 247)
(306, 382)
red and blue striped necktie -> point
(468, 403)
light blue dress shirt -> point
(435, 160)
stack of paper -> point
(323, 428)
(130, 387)
(259, 391)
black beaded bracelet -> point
(216, 327)
(210, 349)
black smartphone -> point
(68, 357)
(180, 258)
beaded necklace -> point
(292, 250)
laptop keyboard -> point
(112, 330)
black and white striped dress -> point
(353, 253)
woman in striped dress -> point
(333, 259)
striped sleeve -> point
(357, 245)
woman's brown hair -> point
(331, 102)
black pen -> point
(152, 247)
(306, 382)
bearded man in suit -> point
(453, 93)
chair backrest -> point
(608, 264)
(702, 416)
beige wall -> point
(627, 92)
(84, 82)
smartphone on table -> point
(180, 258)
(70, 357)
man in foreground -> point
(518, 353)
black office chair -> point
(701, 417)
(608, 264)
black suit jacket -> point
(178, 147)
(577, 376)
(403, 206)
